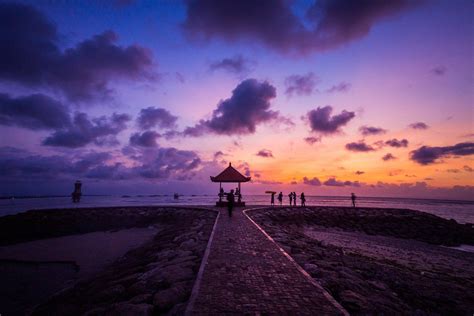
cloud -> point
(312, 140)
(150, 163)
(300, 84)
(418, 125)
(439, 70)
(145, 139)
(237, 65)
(388, 157)
(36, 112)
(314, 181)
(265, 153)
(397, 143)
(83, 131)
(156, 117)
(359, 172)
(371, 130)
(248, 107)
(426, 155)
(360, 146)
(218, 154)
(83, 72)
(453, 170)
(321, 120)
(340, 87)
(333, 182)
(326, 24)
(467, 169)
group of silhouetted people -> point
(291, 196)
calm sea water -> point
(461, 211)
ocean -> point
(461, 211)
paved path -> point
(246, 273)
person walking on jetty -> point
(290, 196)
(303, 199)
(272, 199)
(280, 198)
(77, 193)
(230, 202)
(294, 198)
(353, 198)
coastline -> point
(397, 258)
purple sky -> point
(152, 97)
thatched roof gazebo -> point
(230, 175)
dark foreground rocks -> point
(376, 261)
(156, 278)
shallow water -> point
(461, 211)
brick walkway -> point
(246, 273)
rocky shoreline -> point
(156, 278)
(379, 261)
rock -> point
(141, 298)
(166, 299)
(112, 293)
(352, 301)
(173, 274)
(130, 309)
(188, 244)
(311, 268)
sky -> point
(153, 97)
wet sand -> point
(379, 261)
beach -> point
(145, 260)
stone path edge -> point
(328, 296)
(197, 282)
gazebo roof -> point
(230, 174)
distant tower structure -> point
(77, 193)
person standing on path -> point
(272, 200)
(290, 196)
(303, 199)
(230, 202)
(294, 198)
(353, 198)
(280, 198)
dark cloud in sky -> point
(265, 153)
(314, 181)
(31, 56)
(359, 172)
(360, 146)
(301, 84)
(371, 130)
(340, 87)
(439, 70)
(312, 140)
(426, 155)
(155, 163)
(83, 131)
(468, 169)
(238, 65)
(156, 117)
(326, 25)
(397, 143)
(36, 112)
(248, 107)
(333, 182)
(418, 125)
(388, 157)
(145, 139)
(321, 121)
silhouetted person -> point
(303, 199)
(353, 198)
(294, 198)
(280, 198)
(230, 202)
(77, 193)
(221, 194)
(272, 199)
(238, 195)
(290, 196)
